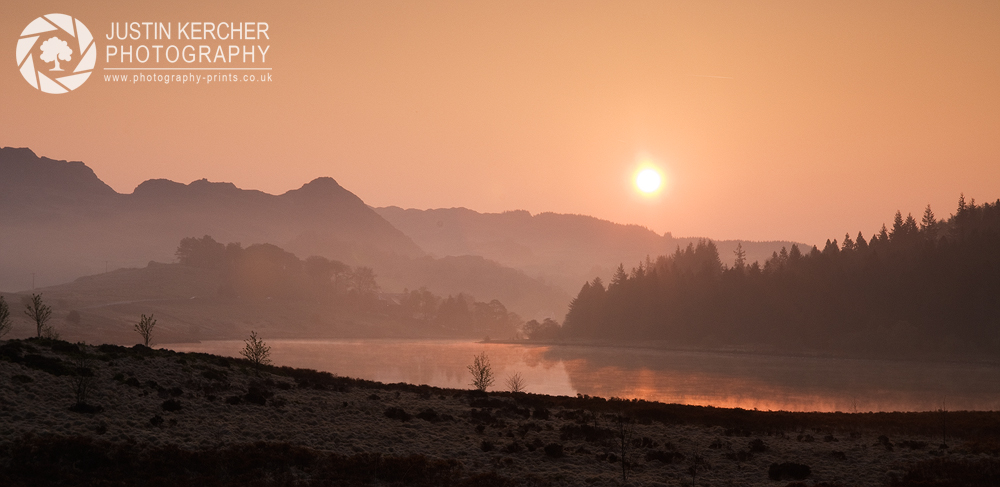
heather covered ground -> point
(73, 414)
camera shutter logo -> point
(60, 40)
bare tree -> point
(256, 351)
(482, 372)
(145, 328)
(40, 313)
(5, 324)
(84, 380)
(515, 383)
(625, 429)
(55, 49)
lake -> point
(749, 381)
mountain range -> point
(59, 222)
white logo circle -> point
(60, 39)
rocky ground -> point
(106, 415)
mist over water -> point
(765, 382)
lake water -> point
(748, 381)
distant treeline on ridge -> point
(266, 271)
(928, 289)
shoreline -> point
(748, 381)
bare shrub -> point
(515, 383)
(145, 328)
(83, 382)
(256, 351)
(5, 324)
(482, 372)
(50, 333)
(39, 312)
(624, 432)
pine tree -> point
(848, 244)
(741, 257)
(883, 235)
(620, 276)
(910, 226)
(929, 225)
(861, 244)
(795, 254)
(897, 226)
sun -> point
(648, 180)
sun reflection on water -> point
(697, 378)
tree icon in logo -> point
(42, 42)
(55, 49)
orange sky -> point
(772, 120)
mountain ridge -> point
(565, 249)
(80, 226)
(45, 202)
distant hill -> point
(565, 250)
(188, 307)
(59, 222)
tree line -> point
(917, 289)
(459, 313)
(262, 271)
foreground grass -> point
(46, 459)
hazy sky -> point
(770, 120)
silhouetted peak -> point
(323, 182)
(320, 186)
(21, 170)
(323, 190)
